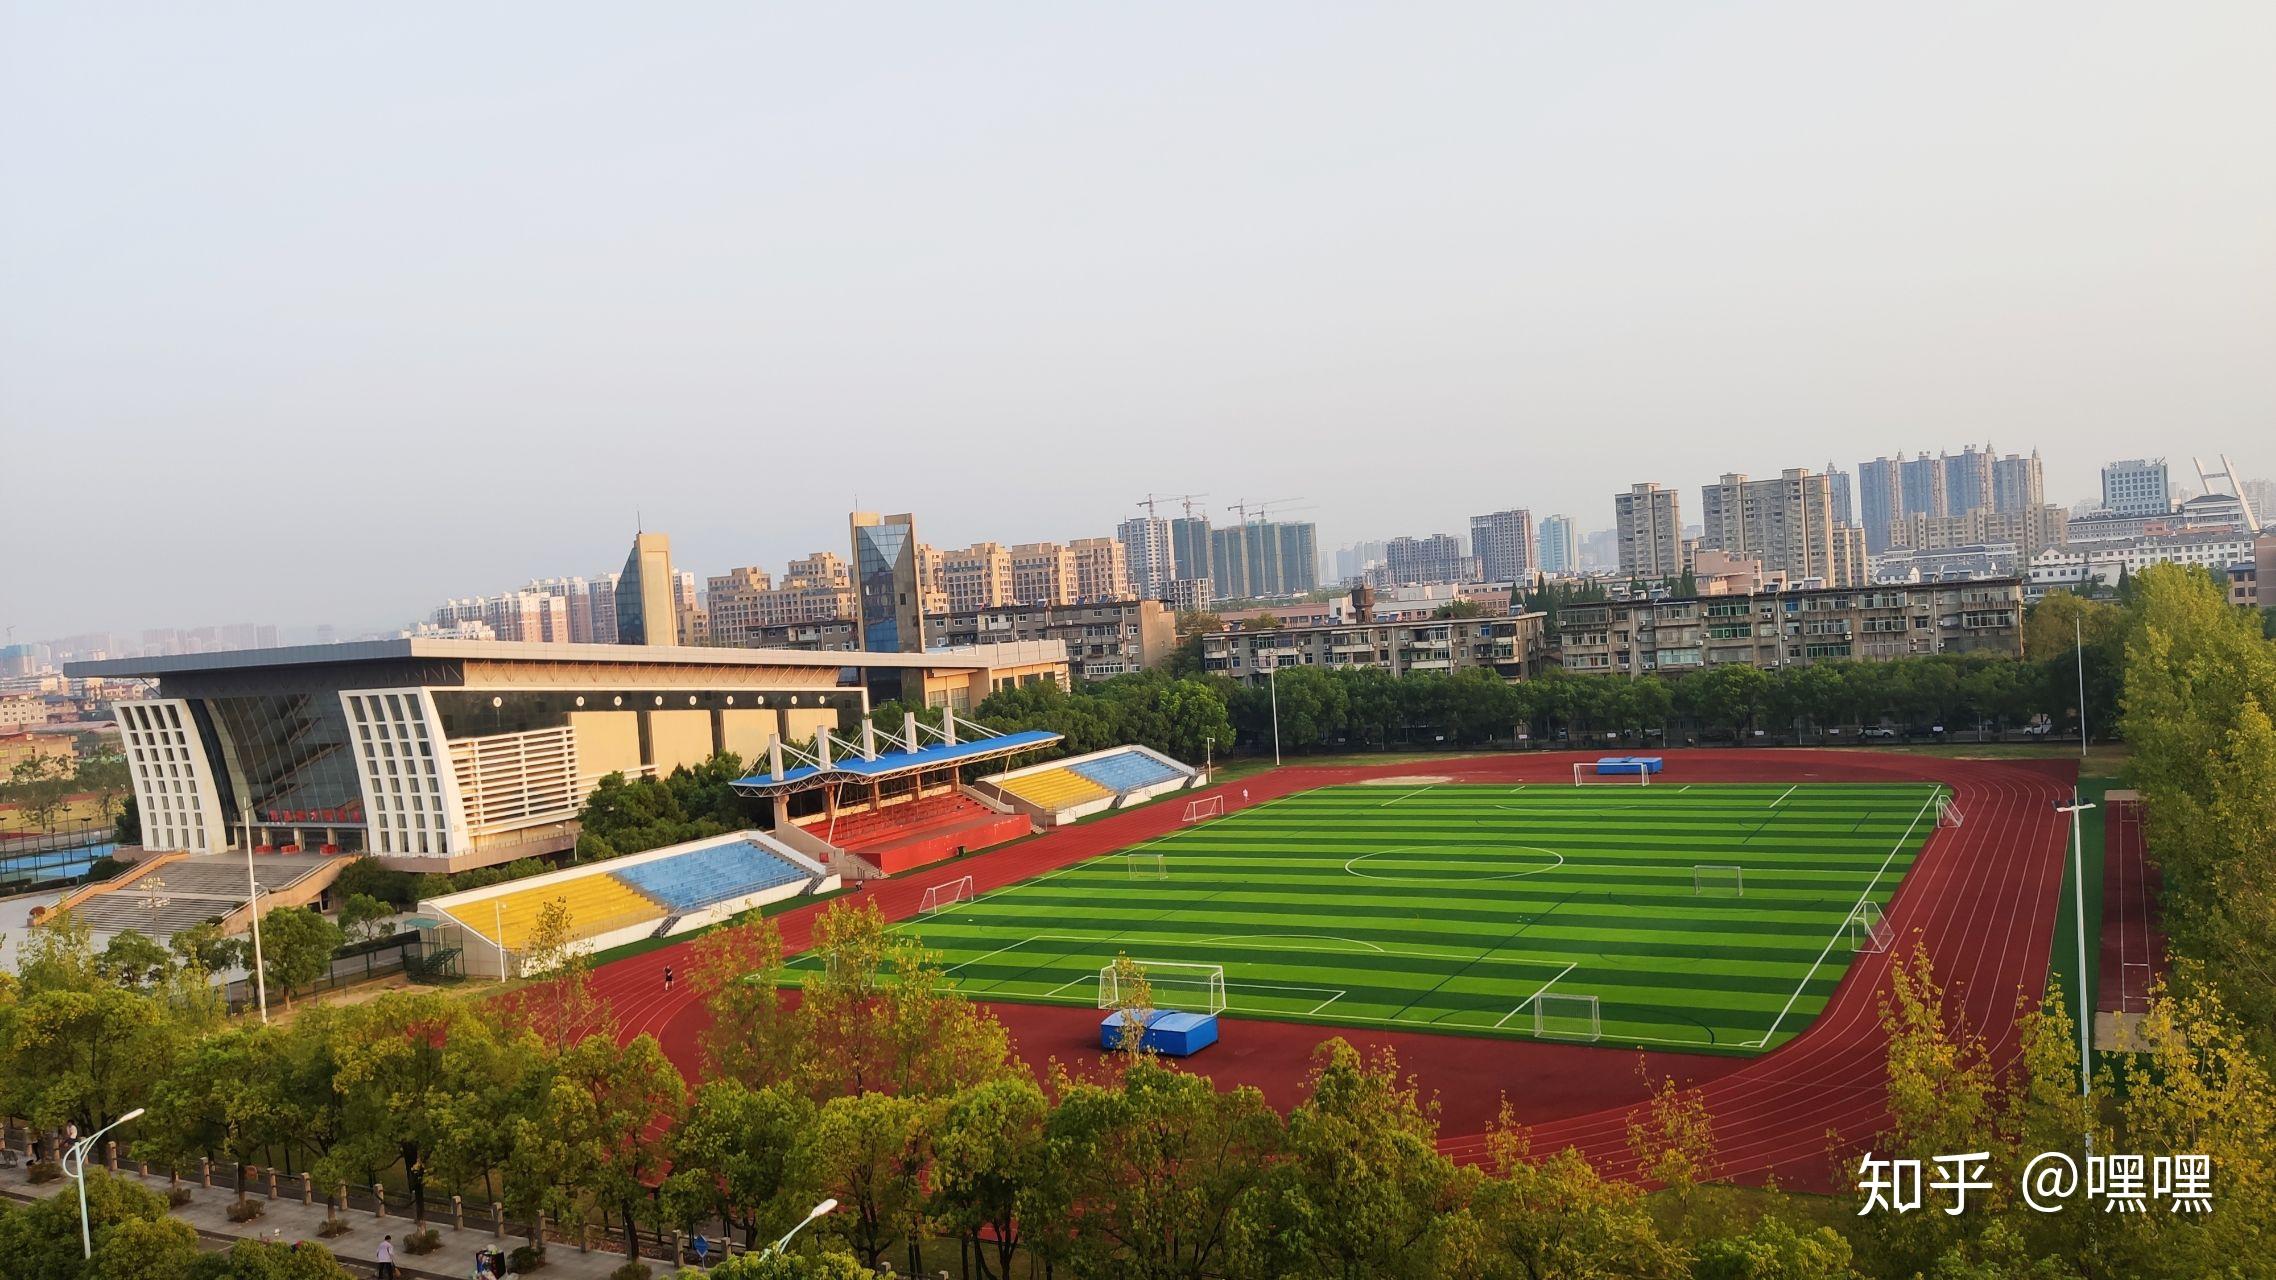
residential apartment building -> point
(2019, 483)
(1560, 545)
(2033, 530)
(1793, 628)
(1511, 646)
(1262, 559)
(1043, 573)
(1649, 522)
(1147, 549)
(1920, 486)
(1786, 523)
(2137, 487)
(1505, 545)
(1189, 547)
(1102, 569)
(977, 577)
(1437, 558)
(1880, 502)
(1841, 496)
(1103, 639)
(1967, 479)
(1189, 595)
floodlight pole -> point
(1272, 682)
(2078, 639)
(1208, 747)
(253, 908)
(2078, 891)
(74, 1164)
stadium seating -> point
(1056, 789)
(718, 873)
(1126, 771)
(901, 836)
(597, 903)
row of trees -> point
(41, 784)
(882, 1087)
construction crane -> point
(1150, 500)
(2236, 489)
(1245, 508)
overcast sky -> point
(317, 312)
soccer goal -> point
(1147, 865)
(1204, 809)
(1557, 1017)
(1868, 929)
(1170, 984)
(1585, 774)
(941, 897)
(1947, 813)
(1718, 881)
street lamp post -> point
(253, 907)
(2078, 639)
(2078, 906)
(1272, 682)
(823, 1209)
(74, 1164)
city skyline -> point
(338, 348)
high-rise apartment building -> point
(1967, 480)
(2137, 487)
(1042, 573)
(1880, 502)
(1649, 522)
(645, 612)
(1786, 523)
(1299, 557)
(1414, 561)
(1146, 546)
(1263, 558)
(1101, 570)
(888, 596)
(2018, 484)
(1920, 486)
(1505, 545)
(1844, 503)
(1560, 545)
(1189, 547)
(977, 577)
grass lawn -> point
(1462, 908)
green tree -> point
(134, 961)
(867, 1150)
(987, 1150)
(128, 1224)
(784, 1266)
(206, 947)
(127, 829)
(406, 1065)
(732, 1157)
(596, 1136)
(40, 785)
(880, 1014)
(1775, 1249)
(268, 1260)
(364, 917)
(1361, 1190)
(1560, 1219)
(296, 947)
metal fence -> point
(358, 962)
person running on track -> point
(667, 977)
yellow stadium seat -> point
(597, 903)
(1056, 789)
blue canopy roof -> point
(890, 764)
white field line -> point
(1409, 796)
(1537, 994)
(1843, 931)
(1789, 791)
(1323, 1004)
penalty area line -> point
(1537, 994)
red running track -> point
(1981, 896)
(2133, 948)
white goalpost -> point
(1559, 1017)
(1585, 775)
(1173, 985)
(941, 897)
(1947, 813)
(1147, 864)
(1721, 881)
(1868, 929)
(1204, 809)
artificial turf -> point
(1452, 907)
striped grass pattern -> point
(1451, 908)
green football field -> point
(1483, 910)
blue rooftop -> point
(891, 763)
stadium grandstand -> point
(1065, 790)
(653, 894)
(883, 803)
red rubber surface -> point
(2133, 947)
(1981, 896)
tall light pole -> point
(2078, 901)
(253, 907)
(2078, 639)
(74, 1164)
(823, 1209)
(1272, 682)
(1208, 751)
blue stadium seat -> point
(692, 881)
(1126, 771)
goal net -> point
(1947, 813)
(1718, 881)
(1170, 984)
(941, 897)
(1868, 929)
(1557, 1017)
(1204, 809)
(1145, 865)
(1585, 774)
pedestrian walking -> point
(667, 977)
(1244, 795)
(386, 1257)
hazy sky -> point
(315, 312)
